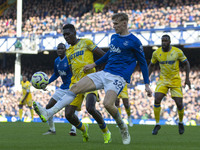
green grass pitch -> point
(28, 136)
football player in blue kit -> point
(62, 69)
(125, 50)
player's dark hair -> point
(69, 26)
(25, 75)
(165, 35)
(61, 44)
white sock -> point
(68, 98)
(119, 120)
(51, 124)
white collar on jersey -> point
(124, 35)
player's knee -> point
(158, 98)
(74, 89)
(107, 105)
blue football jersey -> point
(62, 69)
(123, 55)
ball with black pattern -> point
(40, 80)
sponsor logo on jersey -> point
(62, 73)
(114, 49)
(76, 54)
(168, 62)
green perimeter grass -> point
(28, 136)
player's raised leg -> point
(42, 112)
(83, 86)
(157, 108)
(45, 114)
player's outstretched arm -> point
(187, 71)
(98, 51)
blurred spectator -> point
(43, 17)
(18, 45)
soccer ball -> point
(40, 80)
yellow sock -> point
(20, 114)
(119, 109)
(103, 128)
(128, 111)
(81, 127)
(180, 114)
(157, 109)
(32, 113)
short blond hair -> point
(120, 17)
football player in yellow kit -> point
(79, 54)
(26, 97)
(169, 57)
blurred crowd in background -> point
(141, 105)
(42, 17)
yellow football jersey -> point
(26, 88)
(169, 65)
(78, 56)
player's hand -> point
(88, 67)
(148, 90)
(187, 82)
